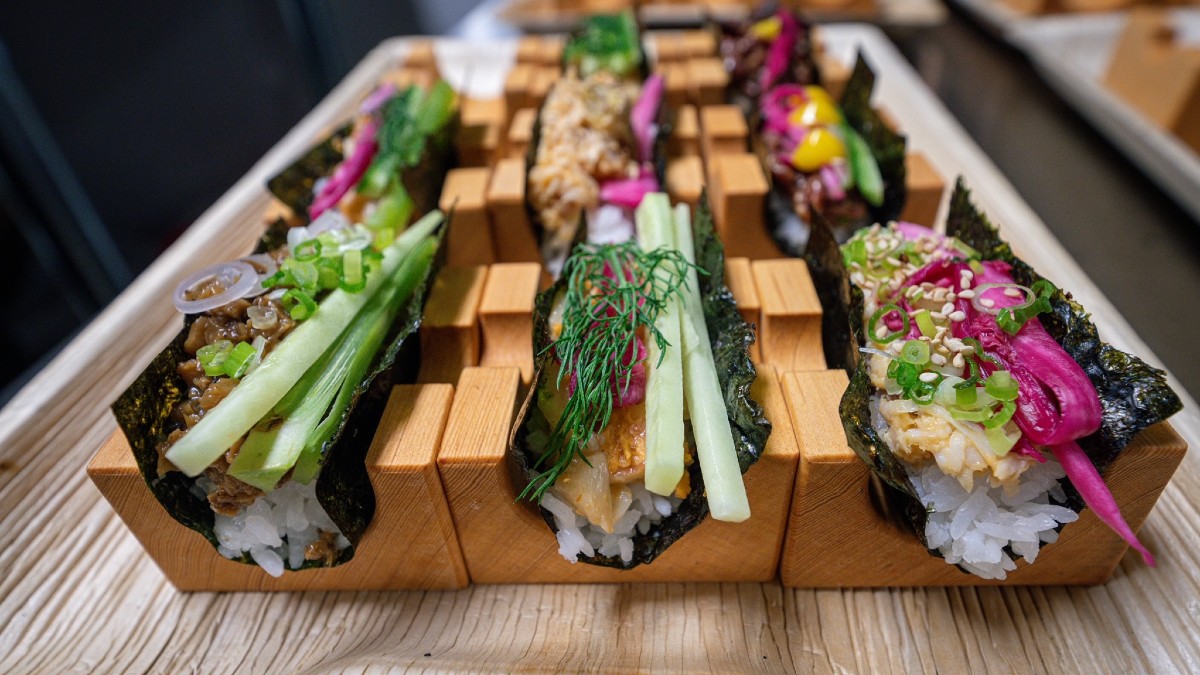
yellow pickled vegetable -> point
(819, 147)
(767, 29)
(815, 112)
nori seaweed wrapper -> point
(294, 184)
(888, 147)
(1133, 394)
(343, 488)
(731, 338)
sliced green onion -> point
(925, 323)
(329, 273)
(915, 352)
(965, 394)
(241, 359)
(307, 250)
(855, 251)
(353, 279)
(298, 304)
(879, 314)
(212, 357)
(1001, 386)
(303, 274)
(1000, 441)
(1013, 319)
(982, 355)
(999, 419)
(970, 415)
(963, 248)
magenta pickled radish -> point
(348, 173)
(628, 193)
(832, 180)
(642, 116)
(377, 98)
(1087, 480)
(780, 52)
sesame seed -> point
(938, 360)
(1012, 293)
(967, 350)
(966, 294)
(958, 316)
(959, 361)
(893, 260)
(881, 331)
(947, 308)
(928, 377)
(987, 303)
(924, 338)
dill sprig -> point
(612, 291)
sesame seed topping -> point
(1012, 293)
(959, 361)
(987, 302)
(929, 377)
(938, 360)
(947, 308)
(966, 294)
(958, 316)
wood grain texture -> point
(738, 190)
(520, 133)
(723, 131)
(506, 316)
(515, 241)
(78, 592)
(504, 540)
(449, 333)
(410, 542)
(739, 276)
(790, 333)
(684, 140)
(469, 233)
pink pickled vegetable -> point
(377, 98)
(780, 52)
(1095, 493)
(628, 192)
(832, 180)
(642, 116)
(349, 172)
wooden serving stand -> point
(447, 511)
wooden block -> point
(834, 75)
(506, 316)
(552, 50)
(739, 276)
(738, 191)
(483, 124)
(925, 187)
(506, 541)
(529, 50)
(698, 43)
(539, 86)
(517, 90)
(450, 329)
(668, 46)
(410, 543)
(685, 180)
(514, 238)
(1158, 75)
(791, 315)
(469, 239)
(421, 56)
(520, 133)
(834, 519)
(685, 134)
(675, 83)
(707, 80)
(723, 131)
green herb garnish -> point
(613, 291)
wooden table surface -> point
(78, 593)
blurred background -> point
(118, 129)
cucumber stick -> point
(664, 388)
(864, 170)
(262, 389)
(706, 406)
